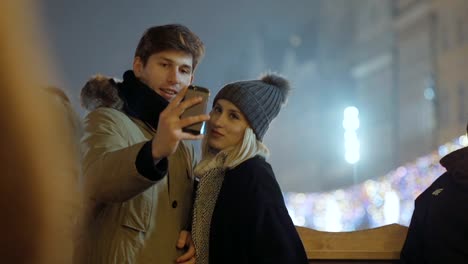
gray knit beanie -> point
(259, 100)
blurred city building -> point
(408, 65)
(374, 71)
(403, 64)
(451, 66)
(416, 126)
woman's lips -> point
(216, 133)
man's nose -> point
(173, 76)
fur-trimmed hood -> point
(100, 91)
(130, 96)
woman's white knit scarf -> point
(206, 196)
(211, 171)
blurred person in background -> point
(438, 232)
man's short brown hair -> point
(170, 37)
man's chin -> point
(170, 98)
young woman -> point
(239, 212)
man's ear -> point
(137, 66)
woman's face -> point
(226, 126)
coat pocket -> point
(137, 211)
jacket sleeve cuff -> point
(146, 165)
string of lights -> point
(380, 201)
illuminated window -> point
(460, 32)
(462, 99)
(444, 111)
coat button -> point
(174, 204)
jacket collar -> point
(457, 163)
(140, 101)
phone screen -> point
(198, 109)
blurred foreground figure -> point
(39, 192)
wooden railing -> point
(377, 245)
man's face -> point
(166, 72)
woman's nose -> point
(216, 120)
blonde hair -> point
(235, 155)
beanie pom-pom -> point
(281, 83)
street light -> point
(351, 141)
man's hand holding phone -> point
(172, 122)
(198, 109)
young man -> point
(137, 171)
(439, 225)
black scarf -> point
(140, 101)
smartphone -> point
(198, 109)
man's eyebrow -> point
(166, 59)
(173, 62)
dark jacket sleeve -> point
(413, 246)
(145, 164)
(413, 250)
